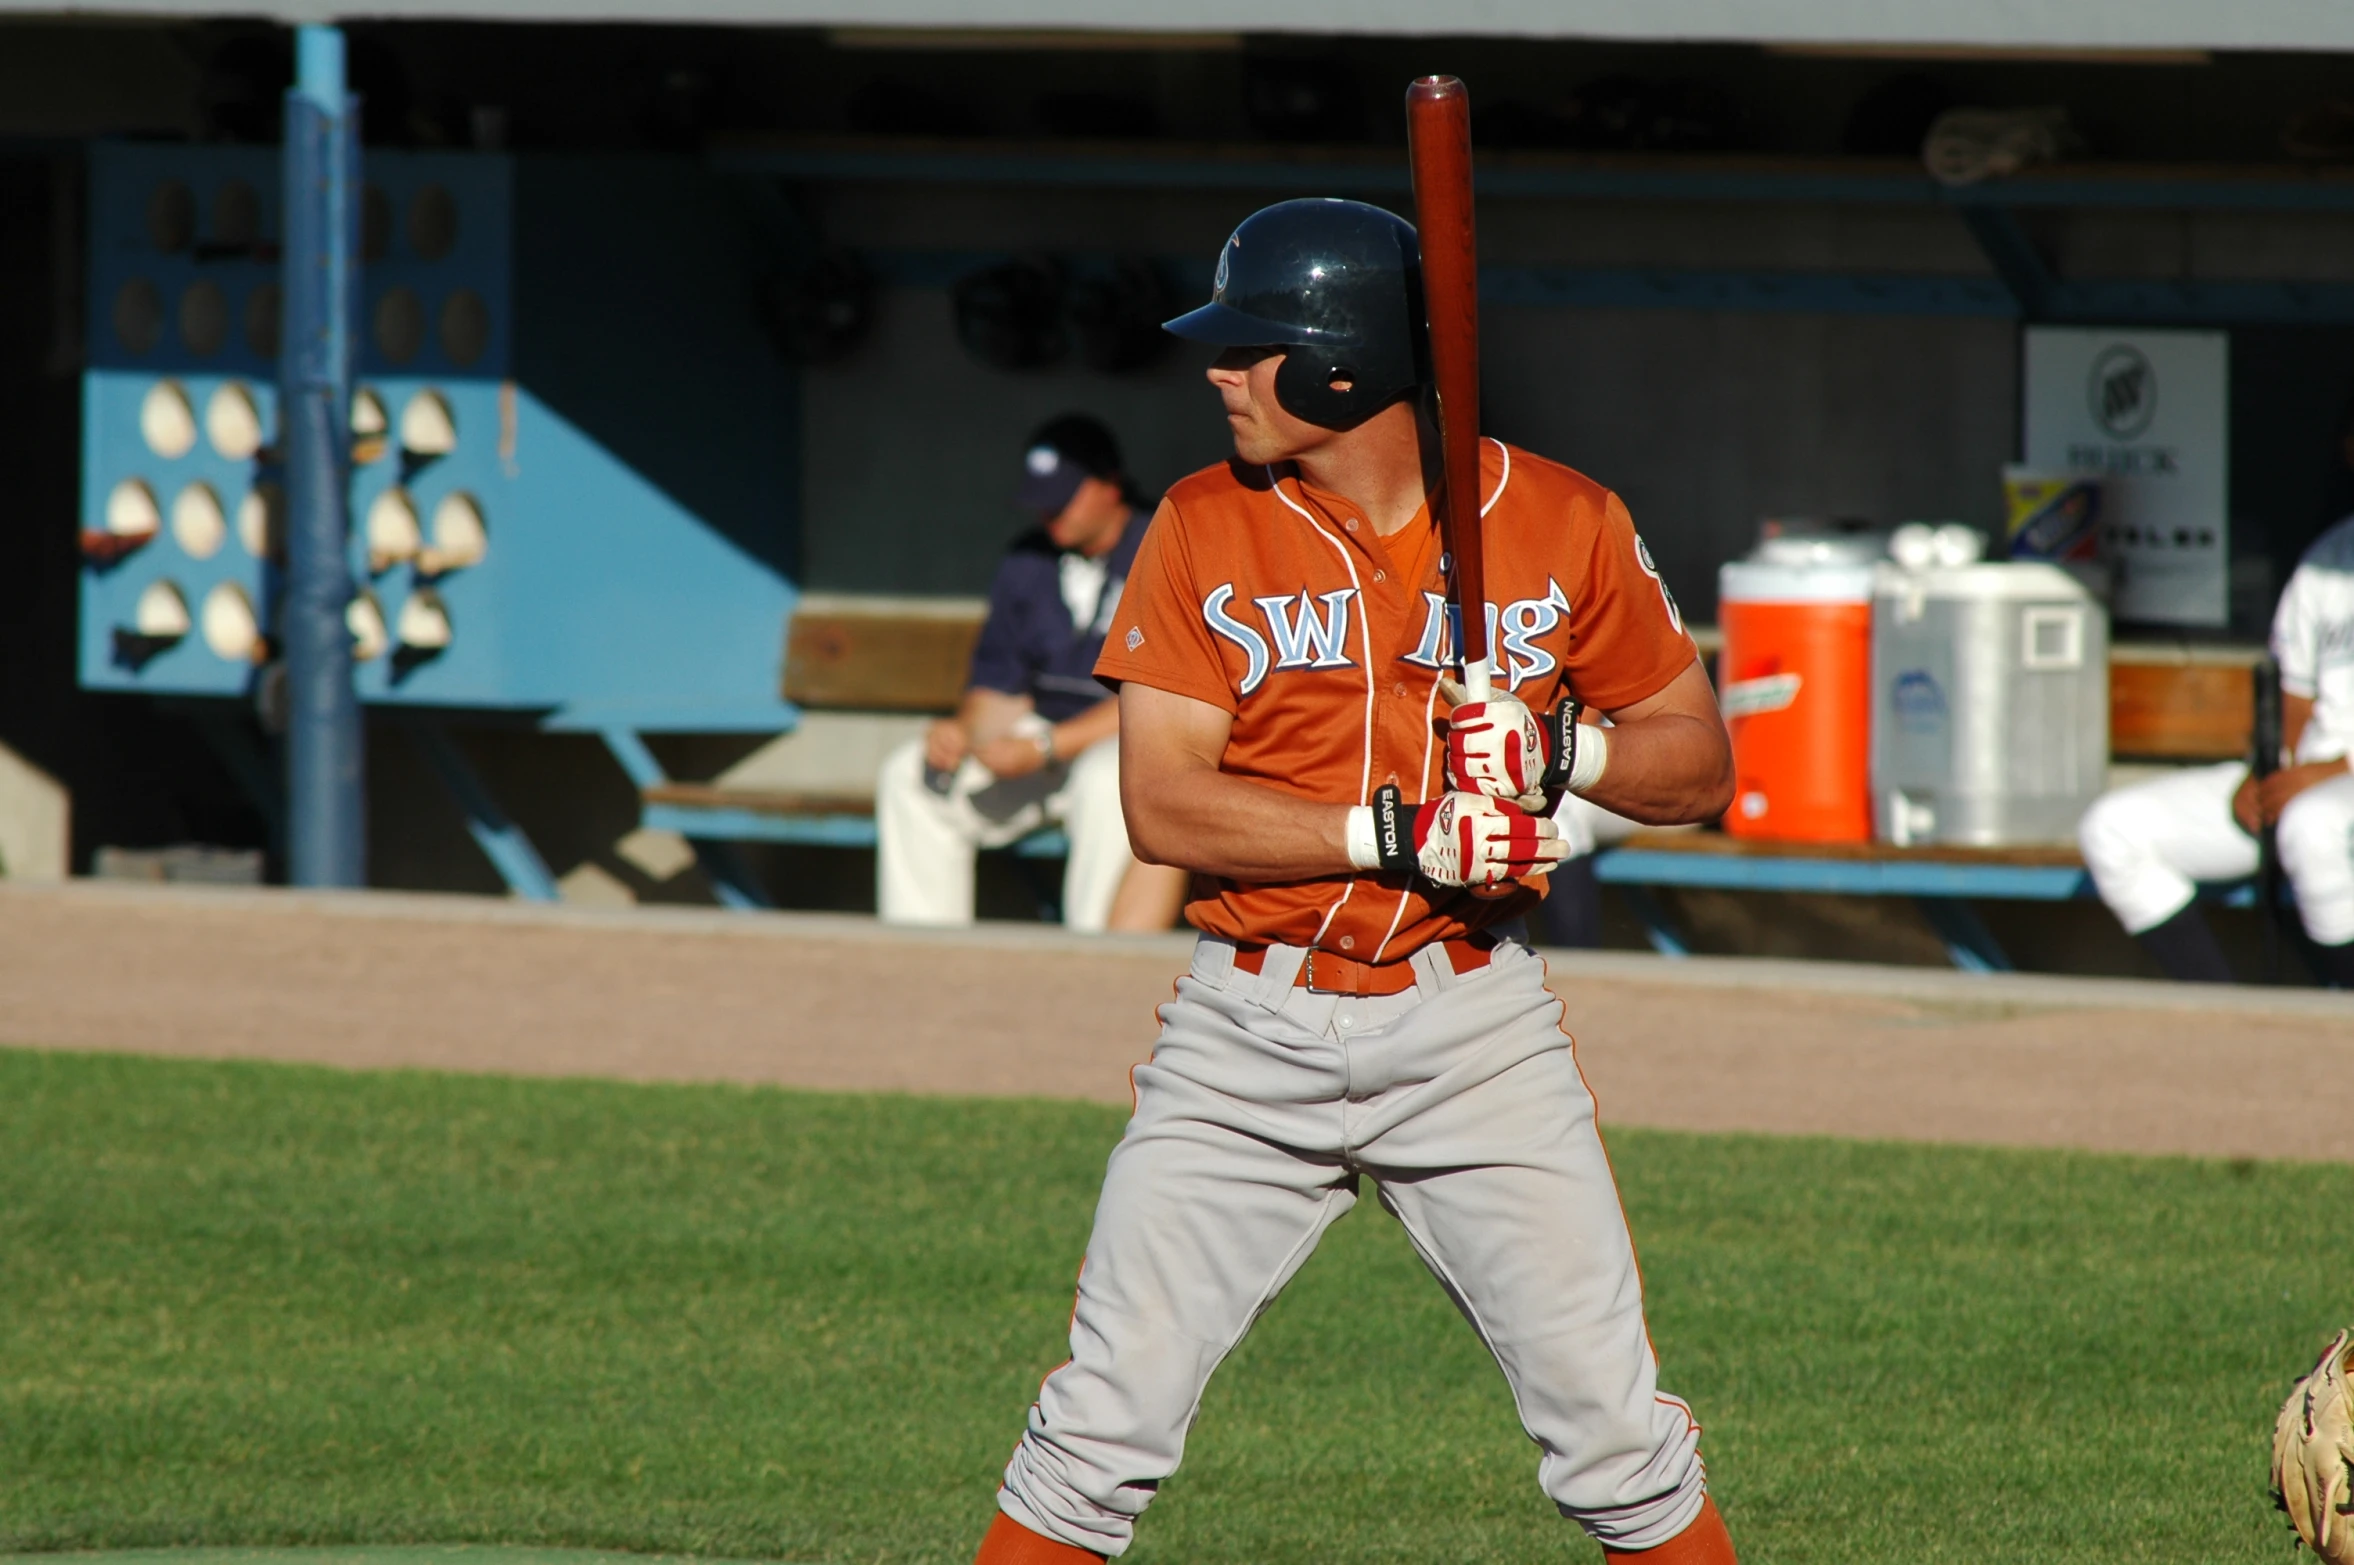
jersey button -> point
(1348, 942)
(1381, 576)
(1350, 524)
(1401, 689)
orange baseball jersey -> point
(1277, 602)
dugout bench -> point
(868, 674)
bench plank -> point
(2180, 711)
(881, 654)
(760, 801)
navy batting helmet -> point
(1339, 285)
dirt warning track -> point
(374, 980)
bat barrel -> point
(1438, 133)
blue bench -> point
(696, 811)
(717, 820)
(1942, 881)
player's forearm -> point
(1211, 824)
(1669, 769)
(990, 714)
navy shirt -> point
(1029, 646)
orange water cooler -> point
(1795, 681)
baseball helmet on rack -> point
(1338, 285)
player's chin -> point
(1252, 443)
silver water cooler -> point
(1990, 704)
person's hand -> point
(1469, 839)
(2245, 808)
(2274, 793)
(945, 745)
(1495, 747)
(1020, 750)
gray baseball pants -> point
(1262, 1107)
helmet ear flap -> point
(1303, 384)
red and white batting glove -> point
(1457, 839)
(1500, 748)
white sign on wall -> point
(2150, 412)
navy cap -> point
(1060, 457)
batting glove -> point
(1500, 748)
(1464, 839)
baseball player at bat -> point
(1284, 653)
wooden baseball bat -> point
(1438, 144)
(2262, 764)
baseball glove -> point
(2313, 1455)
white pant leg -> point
(1495, 1167)
(1089, 808)
(2149, 845)
(923, 852)
(1249, 1130)
(1205, 1215)
(2316, 837)
(924, 840)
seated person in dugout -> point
(2149, 845)
(1035, 739)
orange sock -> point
(1705, 1542)
(1011, 1543)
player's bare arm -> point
(1671, 762)
(1183, 810)
(1019, 749)
(981, 716)
(2259, 801)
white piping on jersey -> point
(1365, 635)
(1502, 478)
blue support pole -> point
(326, 836)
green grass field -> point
(270, 1305)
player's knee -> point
(902, 769)
(2112, 832)
(2316, 837)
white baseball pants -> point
(1261, 1110)
(926, 837)
(2149, 845)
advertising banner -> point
(2148, 414)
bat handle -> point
(1478, 681)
